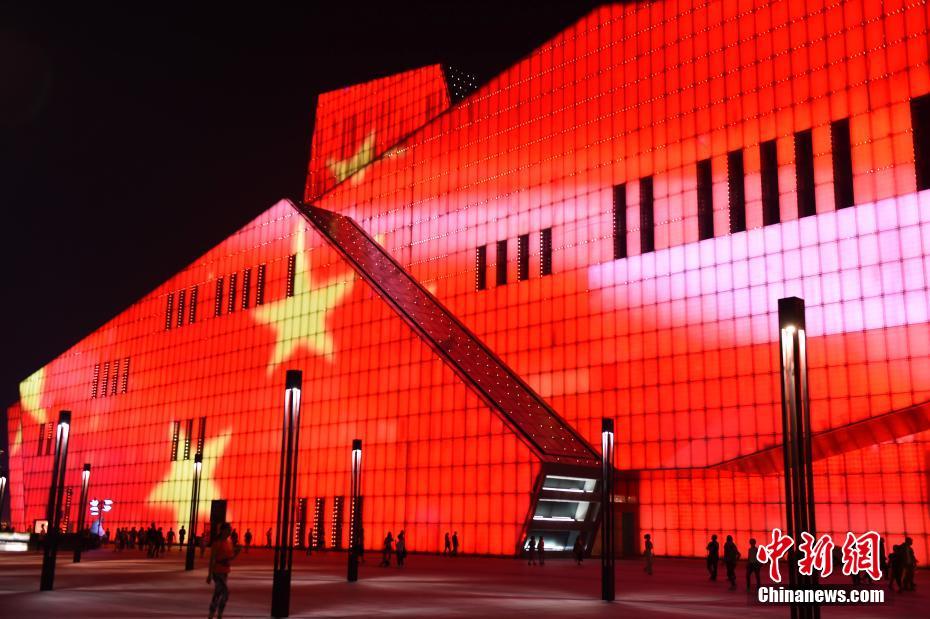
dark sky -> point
(131, 141)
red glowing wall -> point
(677, 344)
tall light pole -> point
(195, 501)
(55, 493)
(287, 493)
(82, 506)
(607, 510)
(356, 507)
(796, 426)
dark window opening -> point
(175, 439)
(545, 248)
(231, 300)
(95, 382)
(260, 286)
(705, 200)
(49, 438)
(187, 438)
(114, 382)
(246, 287)
(619, 214)
(336, 526)
(481, 268)
(771, 213)
(736, 186)
(218, 300)
(319, 521)
(182, 299)
(291, 273)
(106, 379)
(125, 386)
(523, 257)
(647, 238)
(40, 441)
(201, 435)
(804, 170)
(501, 266)
(169, 310)
(192, 310)
(841, 144)
(920, 122)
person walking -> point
(713, 556)
(234, 537)
(182, 533)
(753, 565)
(455, 544)
(447, 548)
(531, 550)
(401, 548)
(910, 564)
(169, 539)
(541, 550)
(648, 553)
(387, 550)
(268, 538)
(248, 540)
(222, 554)
(730, 557)
(578, 549)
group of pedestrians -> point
(152, 540)
(535, 550)
(451, 544)
(396, 547)
(731, 555)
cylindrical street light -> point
(85, 481)
(287, 493)
(355, 526)
(55, 493)
(796, 427)
(2, 491)
(607, 510)
(195, 501)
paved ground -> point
(117, 585)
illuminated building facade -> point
(615, 218)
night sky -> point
(134, 141)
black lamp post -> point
(55, 493)
(287, 493)
(607, 508)
(195, 501)
(356, 506)
(796, 425)
(85, 481)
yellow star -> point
(347, 167)
(174, 491)
(300, 320)
(30, 398)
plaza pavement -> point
(108, 585)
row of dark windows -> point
(523, 260)
(188, 437)
(231, 298)
(110, 378)
(46, 439)
(736, 189)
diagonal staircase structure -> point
(566, 498)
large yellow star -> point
(300, 320)
(30, 398)
(174, 491)
(347, 167)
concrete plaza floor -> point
(116, 585)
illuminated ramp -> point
(565, 502)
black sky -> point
(132, 141)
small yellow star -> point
(30, 398)
(347, 167)
(174, 491)
(300, 320)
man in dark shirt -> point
(713, 556)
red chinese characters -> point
(771, 553)
(861, 554)
(816, 554)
